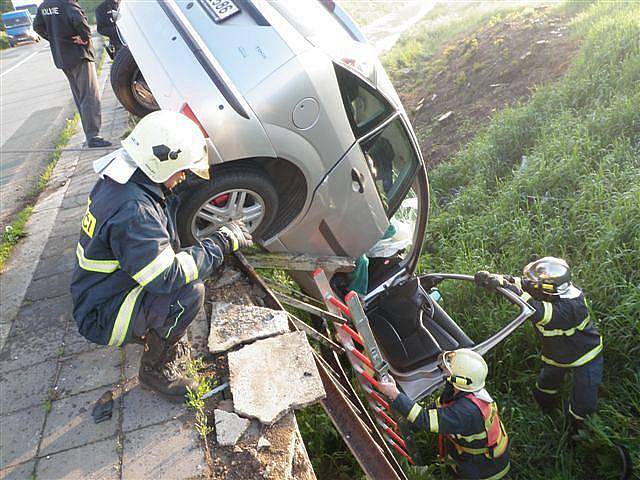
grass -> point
(4, 40)
(13, 233)
(558, 176)
(195, 400)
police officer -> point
(64, 24)
(471, 435)
(132, 281)
(106, 24)
(570, 340)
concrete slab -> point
(61, 265)
(36, 317)
(25, 350)
(75, 343)
(271, 376)
(233, 325)
(132, 356)
(168, 451)
(97, 461)
(19, 436)
(26, 387)
(198, 334)
(89, 371)
(59, 246)
(144, 407)
(18, 472)
(70, 424)
(229, 427)
(46, 289)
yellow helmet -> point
(467, 369)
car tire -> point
(129, 86)
(260, 194)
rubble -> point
(233, 325)
(263, 443)
(229, 427)
(272, 376)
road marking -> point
(18, 64)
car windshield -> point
(16, 21)
(393, 162)
(365, 107)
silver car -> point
(312, 147)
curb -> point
(21, 266)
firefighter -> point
(106, 25)
(471, 435)
(570, 340)
(64, 25)
(132, 281)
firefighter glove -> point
(235, 236)
(488, 280)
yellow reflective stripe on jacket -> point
(500, 448)
(525, 296)
(586, 358)
(99, 266)
(413, 413)
(433, 420)
(471, 438)
(123, 319)
(188, 266)
(557, 332)
(500, 474)
(548, 313)
(155, 267)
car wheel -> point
(129, 85)
(245, 194)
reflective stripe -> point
(586, 358)
(472, 451)
(500, 448)
(471, 438)
(557, 332)
(433, 420)
(413, 413)
(548, 391)
(574, 414)
(176, 322)
(525, 296)
(500, 474)
(100, 266)
(548, 313)
(188, 266)
(123, 319)
(155, 267)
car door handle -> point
(357, 180)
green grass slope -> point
(557, 176)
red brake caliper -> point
(220, 200)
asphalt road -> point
(35, 101)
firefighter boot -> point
(159, 371)
(180, 353)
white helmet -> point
(161, 144)
(467, 369)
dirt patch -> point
(452, 95)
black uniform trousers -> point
(586, 380)
(86, 94)
(169, 315)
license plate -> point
(222, 9)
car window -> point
(365, 107)
(16, 21)
(393, 162)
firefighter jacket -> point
(469, 428)
(565, 328)
(129, 247)
(58, 21)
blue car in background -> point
(18, 25)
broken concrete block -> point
(271, 376)
(229, 427)
(228, 277)
(233, 325)
(263, 443)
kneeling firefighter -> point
(465, 417)
(570, 339)
(132, 281)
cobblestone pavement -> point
(50, 376)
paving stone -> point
(168, 451)
(71, 425)
(72, 201)
(97, 461)
(60, 246)
(26, 387)
(24, 350)
(75, 343)
(271, 376)
(36, 317)
(144, 407)
(132, 356)
(71, 214)
(229, 427)
(46, 288)
(233, 325)
(18, 472)
(19, 436)
(89, 371)
(54, 266)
